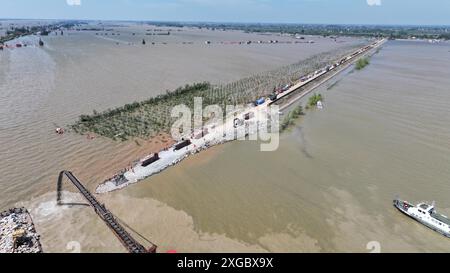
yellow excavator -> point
(18, 237)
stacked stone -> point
(18, 222)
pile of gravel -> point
(18, 221)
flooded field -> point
(74, 74)
(329, 187)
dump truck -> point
(182, 145)
(150, 160)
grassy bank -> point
(148, 118)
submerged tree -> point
(361, 63)
(315, 99)
(289, 120)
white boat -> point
(319, 104)
(425, 214)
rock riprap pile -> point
(17, 232)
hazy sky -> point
(290, 11)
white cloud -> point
(374, 2)
(73, 2)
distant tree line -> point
(326, 30)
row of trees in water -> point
(152, 116)
(361, 63)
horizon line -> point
(225, 22)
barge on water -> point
(426, 215)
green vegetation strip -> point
(361, 63)
(150, 117)
(332, 31)
(290, 119)
(314, 100)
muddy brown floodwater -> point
(384, 131)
